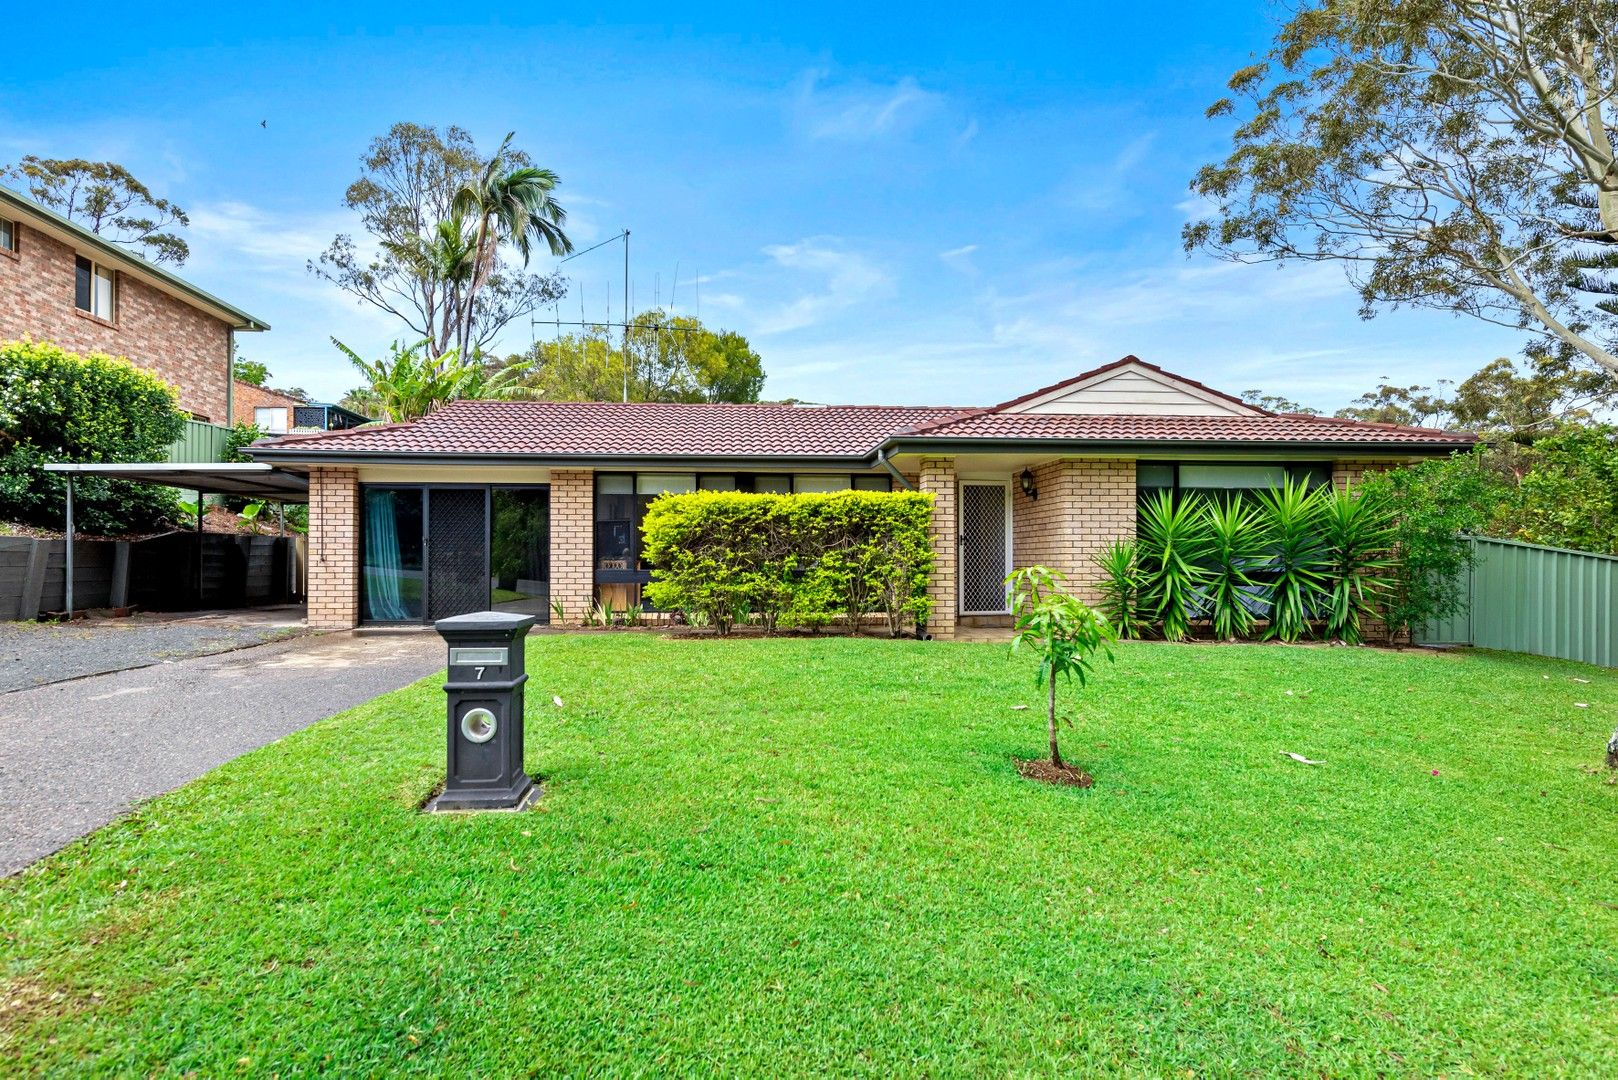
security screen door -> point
(457, 551)
(985, 547)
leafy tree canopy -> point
(104, 198)
(442, 221)
(671, 358)
(1455, 155)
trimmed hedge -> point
(59, 406)
(791, 560)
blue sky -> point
(896, 203)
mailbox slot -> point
(479, 657)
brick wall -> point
(1349, 472)
(183, 346)
(250, 397)
(334, 549)
(572, 541)
(1083, 505)
(938, 480)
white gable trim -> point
(1136, 390)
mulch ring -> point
(1042, 770)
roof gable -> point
(1129, 387)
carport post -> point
(202, 509)
(69, 581)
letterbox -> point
(485, 686)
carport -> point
(248, 480)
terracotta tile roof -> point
(552, 429)
(1268, 428)
(598, 429)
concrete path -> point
(75, 755)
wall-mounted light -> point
(1028, 487)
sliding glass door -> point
(431, 552)
(394, 582)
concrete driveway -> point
(76, 754)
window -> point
(394, 555)
(774, 484)
(272, 419)
(873, 483)
(819, 484)
(8, 236)
(1224, 478)
(520, 551)
(94, 289)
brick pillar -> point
(572, 542)
(334, 549)
(938, 480)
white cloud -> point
(859, 111)
(845, 279)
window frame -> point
(1294, 469)
(285, 419)
(113, 289)
(14, 247)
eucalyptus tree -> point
(1454, 154)
(105, 198)
(421, 259)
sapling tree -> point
(1060, 629)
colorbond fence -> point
(199, 443)
(1542, 600)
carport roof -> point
(250, 480)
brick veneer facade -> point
(1349, 473)
(1083, 505)
(937, 479)
(334, 548)
(250, 398)
(187, 348)
(572, 542)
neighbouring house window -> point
(272, 419)
(95, 289)
(520, 551)
(394, 550)
(8, 235)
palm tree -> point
(511, 205)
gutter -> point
(882, 460)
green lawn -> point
(809, 856)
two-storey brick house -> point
(61, 282)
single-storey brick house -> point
(517, 505)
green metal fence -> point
(1542, 600)
(200, 444)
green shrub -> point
(790, 559)
(1120, 587)
(1431, 504)
(58, 406)
(1297, 557)
(1357, 532)
(1173, 543)
(1237, 545)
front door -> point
(457, 551)
(985, 546)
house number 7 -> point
(479, 671)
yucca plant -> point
(1297, 557)
(1120, 587)
(1238, 543)
(1357, 529)
(1172, 538)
